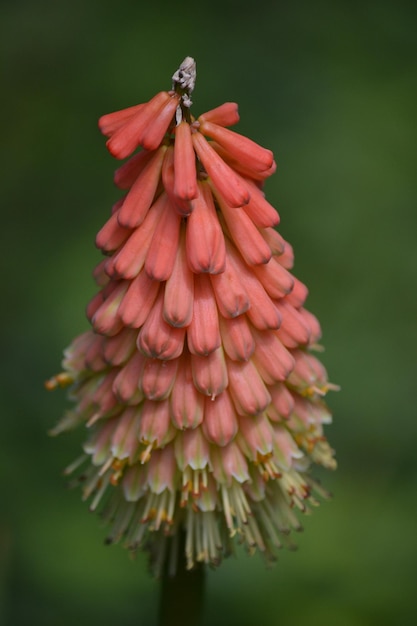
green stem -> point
(182, 595)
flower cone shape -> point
(197, 382)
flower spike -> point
(203, 402)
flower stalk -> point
(182, 592)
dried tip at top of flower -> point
(183, 80)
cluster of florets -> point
(201, 396)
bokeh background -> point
(331, 87)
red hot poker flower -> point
(197, 383)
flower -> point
(197, 382)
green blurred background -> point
(331, 87)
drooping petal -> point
(210, 373)
(185, 186)
(126, 383)
(129, 260)
(130, 134)
(103, 398)
(226, 114)
(245, 235)
(285, 448)
(275, 279)
(187, 404)
(272, 360)
(231, 296)
(203, 334)
(220, 423)
(134, 483)
(255, 435)
(157, 339)
(229, 184)
(252, 155)
(262, 214)
(99, 273)
(138, 300)
(124, 443)
(308, 372)
(94, 359)
(74, 355)
(313, 325)
(162, 251)
(274, 240)
(262, 311)
(308, 415)
(247, 389)
(112, 235)
(98, 445)
(95, 302)
(293, 330)
(126, 174)
(106, 320)
(155, 131)
(183, 206)
(240, 167)
(141, 195)
(286, 258)
(120, 347)
(158, 378)
(179, 289)
(110, 122)
(205, 244)
(192, 449)
(229, 462)
(161, 470)
(298, 294)
(155, 426)
(282, 403)
(237, 339)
